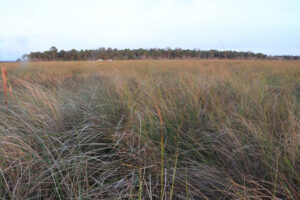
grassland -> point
(207, 129)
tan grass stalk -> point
(11, 93)
(4, 83)
(4, 79)
(141, 184)
(174, 173)
(162, 149)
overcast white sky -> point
(268, 26)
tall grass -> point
(206, 129)
(4, 83)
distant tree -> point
(53, 51)
(62, 55)
(73, 54)
(25, 57)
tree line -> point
(139, 54)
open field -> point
(209, 129)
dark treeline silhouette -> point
(139, 54)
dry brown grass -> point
(209, 129)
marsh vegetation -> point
(206, 129)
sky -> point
(268, 26)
